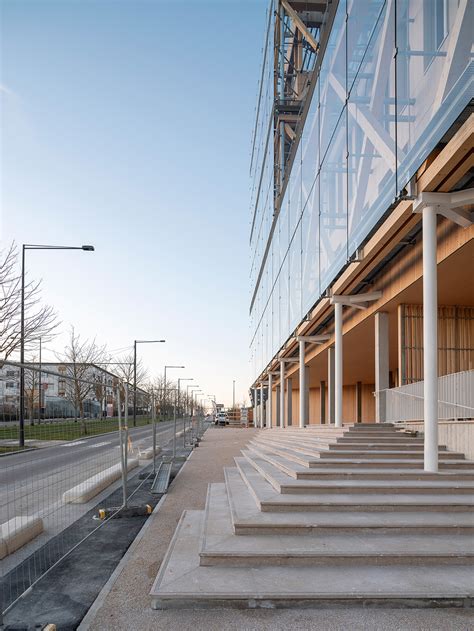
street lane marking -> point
(75, 444)
(100, 444)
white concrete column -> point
(331, 390)
(255, 407)
(430, 339)
(381, 364)
(302, 395)
(282, 394)
(338, 364)
(306, 394)
(289, 402)
(277, 406)
(270, 401)
(262, 407)
(322, 402)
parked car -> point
(221, 418)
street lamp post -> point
(233, 395)
(29, 246)
(135, 373)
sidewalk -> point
(124, 603)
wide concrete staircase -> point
(327, 515)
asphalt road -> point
(24, 466)
(33, 482)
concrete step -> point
(247, 518)
(311, 446)
(183, 582)
(268, 499)
(284, 484)
(220, 546)
(394, 453)
(346, 442)
(380, 440)
(361, 459)
(300, 472)
(395, 446)
(296, 446)
(374, 426)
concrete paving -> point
(125, 602)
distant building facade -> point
(53, 390)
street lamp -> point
(233, 394)
(135, 373)
(164, 387)
(30, 246)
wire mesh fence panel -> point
(65, 456)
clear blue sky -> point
(127, 125)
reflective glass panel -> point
(333, 206)
(371, 131)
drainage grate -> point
(162, 478)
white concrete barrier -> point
(147, 454)
(88, 489)
(18, 531)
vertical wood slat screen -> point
(455, 341)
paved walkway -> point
(125, 603)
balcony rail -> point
(455, 399)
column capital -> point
(359, 301)
(449, 205)
(313, 339)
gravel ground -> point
(125, 604)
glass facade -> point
(394, 77)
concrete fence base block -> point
(18, 531)
(147, 454)
(88, 489)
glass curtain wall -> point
(395, 76)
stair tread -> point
(359, 457)
(267, 495)
(286, 480)
(182, 578)
(295, 468)
(245, 512)
(219, 537)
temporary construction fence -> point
(60, 462)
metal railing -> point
(455, 399)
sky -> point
(127, 125)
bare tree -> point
(79, 358)
(124, 370)
(40, 320)
(166, 394)
(32, 394)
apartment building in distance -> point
(53, 391)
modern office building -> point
(361, 213)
